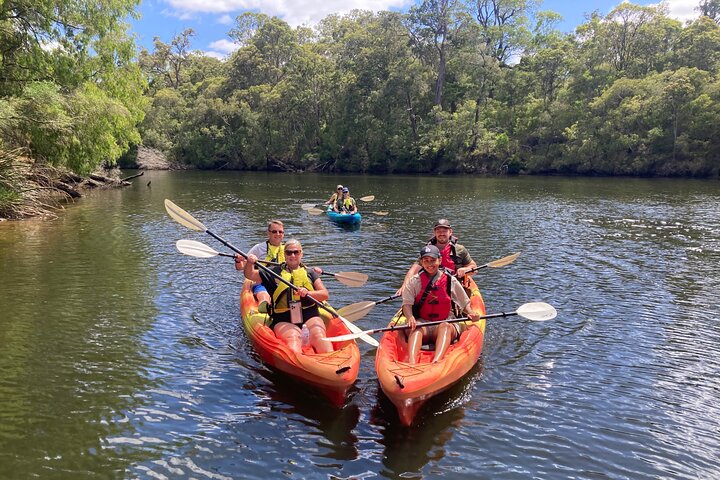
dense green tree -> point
(166, 66)
(698, 45)
(504, 26)
(69, 90)
(433, 24)
(710, 9)
(478, 86)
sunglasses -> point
(293, 252)
(339, 189)
(276, 231)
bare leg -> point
(263, 296)
(316, 328)
(444, 336)
(290, 334)
(414, 344)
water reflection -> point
(408, 450)
(334, 426)
(121, 357)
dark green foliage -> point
(450, 87)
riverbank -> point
(31, 189)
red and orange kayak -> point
(332, 373)
(409, 386)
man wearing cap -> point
(429, 295)
(455, 257)
(345, 204)
(333, 198)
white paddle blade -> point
(352, 336)
(307, 206)
(537, 311)
(195, 249)
(504, 261)
(382, 214)
(356, 311)
(368, 198)
(315, 211)
(357, 333)
(183, 217)
(351, 279)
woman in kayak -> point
(291, 308)
(334, 197)
(345, 204)
(429, 295)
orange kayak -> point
(332, 373)
(409, 386)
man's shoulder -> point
(259, 250)
(460, 246)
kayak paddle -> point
(536, 311)
(187, 220)
(356, 311)
(200, 250)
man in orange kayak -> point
(429, 295)
(271, 250)
(455, 257)
(290, 307)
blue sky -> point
(212, 19)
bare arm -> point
(251, 273)
(462, 300)
(320, 293)
(467, 263)
(408, 298)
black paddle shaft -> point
(267, 270)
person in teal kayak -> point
(429, 296)
(345, 204)
(334, 197)
(291, 308)
(271, 250)
(454, 257)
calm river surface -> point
(122, 358)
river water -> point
(122, 358)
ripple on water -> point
(115, 345)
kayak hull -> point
(332, 373)
(409, 386)
(344, 218)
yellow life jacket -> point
(275, 254)
(283, 294)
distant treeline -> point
(451, 87)
(480, 86)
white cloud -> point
(225, 20)
(294, 12)
(683, 9)
(218, 55)
(224, 45)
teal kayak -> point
(344, 218)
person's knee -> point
(288, 331)
(315, 324)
